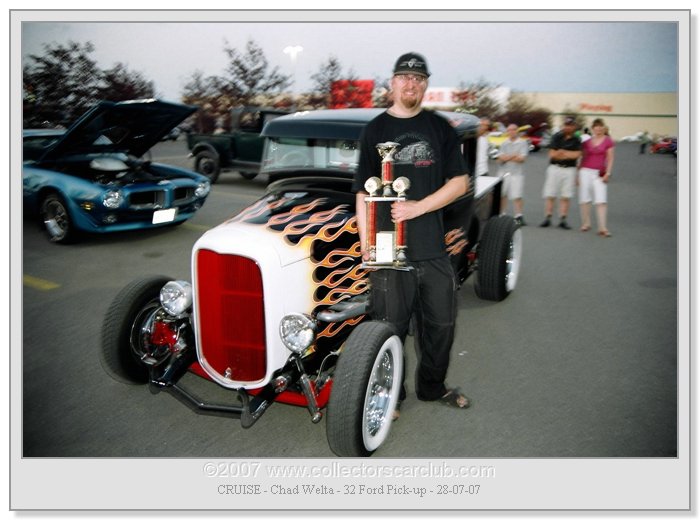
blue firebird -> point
(93, 178)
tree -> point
(121, 84)
(478, 98)
(522, 111)
(60, 84)
(328, 72)
(248, 74)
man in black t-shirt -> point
(564, 152)
(429, 155)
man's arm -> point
(410, 209)
(361, 214)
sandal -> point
(455, 399)
(605, 233)
(585, 228)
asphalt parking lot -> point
(580, 361)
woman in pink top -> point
(594, 173)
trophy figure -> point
(387, 248)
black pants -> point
(428, 291)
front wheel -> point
(57, 220)
(365, 391)
(499, 256)
(126, 330)
(207, 163)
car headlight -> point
(297, 332)
(176, 297)
(203, 189)
(112, 199)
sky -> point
(529, 57)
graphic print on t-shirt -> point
(417, 151)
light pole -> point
(293, 51)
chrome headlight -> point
(112, 199)
(297, 332)
(176, 297)
(203, 189)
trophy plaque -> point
(387, 247)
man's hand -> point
(406, 210)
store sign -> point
(586, 107)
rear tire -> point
(365, 392)
(249, 176)
(499, 257)
(122, 336)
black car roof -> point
(347, 123)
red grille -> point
(231, 315)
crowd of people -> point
(578, 161)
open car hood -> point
(132, 127)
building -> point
(625, 114)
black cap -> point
(412, 63)
(570, 120)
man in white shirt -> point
(482, 147)
(512, 155)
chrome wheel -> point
(382, 393)
(56, 218)
(513, 260)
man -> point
(429, 155)
(564, 152)
(511, 157)
(482, 147)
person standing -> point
(482, 147)
(429, 155)
(564, 152)
(511, 157)
(598, 154)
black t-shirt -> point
(429, 155)
(561, 142)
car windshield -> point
(325, 154)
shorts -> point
(513, 185)
(591, 187)
(559, 182)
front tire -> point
(207, 163)
(500, 256)
(57, 220)
(365, 392)
(123, 329)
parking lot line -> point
(39, 283)
(196, 227)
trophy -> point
(387, 248)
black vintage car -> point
(276, 310)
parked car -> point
(240, 149)
(538, 136)
(665, 145)
(93, 177)
(276, 310)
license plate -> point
(164, 215)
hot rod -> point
(276, 309)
